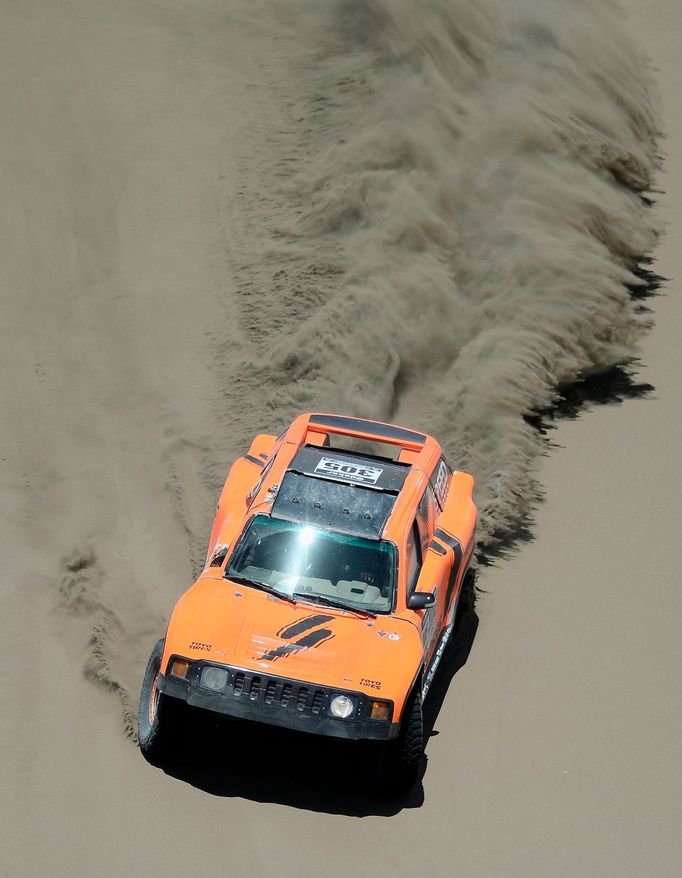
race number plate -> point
(348, 471)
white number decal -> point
(440, 485)
(348, 471)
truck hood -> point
(237, 625)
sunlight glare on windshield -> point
(307, 535)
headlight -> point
(341, 706)
(214, 678)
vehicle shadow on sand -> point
(267, 764)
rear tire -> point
(156, 712)
(467, 600)
(405, 754)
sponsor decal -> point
(391, 635)
(440, 484)
(348, 471)
(196, 644)
(429, 622)
(438, 655)
(371, 684)
(309, 636)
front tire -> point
(406, 752)
(156, 712)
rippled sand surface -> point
(215, 215)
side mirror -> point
(420, 600)
(218, 556)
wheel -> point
(156, 712)
(467, 600)
(405, 753)
(463, 611)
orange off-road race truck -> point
(329, 593)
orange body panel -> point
(221, 621)
(228, 623)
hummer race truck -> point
(329, 592)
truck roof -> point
(348, 491)
(327, 473)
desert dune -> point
(215, 215)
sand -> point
(148, 213)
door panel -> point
(434, 577)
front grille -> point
(302, 698)
(277, 693)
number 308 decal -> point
(348, 471)
(440, 484)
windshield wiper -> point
(330, 602)
(263, 586)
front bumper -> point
(278, 701)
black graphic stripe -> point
(457, 566)
(308, 641)
(251, 459)
(314, 638)
(451, 541)
(456, 547)
(273, 654)
(303, 625)
(436, 547)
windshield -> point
(298, 560)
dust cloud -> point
(466, 215)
